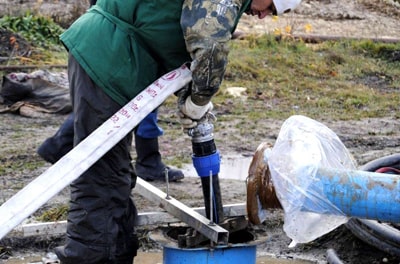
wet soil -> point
(366, 139)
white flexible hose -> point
(81, 157)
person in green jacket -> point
(148, 164)
(136, 42)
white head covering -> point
(283, 6)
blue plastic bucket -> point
(231, 254)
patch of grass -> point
(37, 29)
(342, 79)
(178, 160)
(337, 80)
(31, 40)
(54, 214)
(18, 162)
(330, 79)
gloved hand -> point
(189, 113)
(193, 111)
(186, 122)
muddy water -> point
(233, 167)
(153, 258)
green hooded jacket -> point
(125, 45)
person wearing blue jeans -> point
(148, 166)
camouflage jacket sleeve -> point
(207, 27)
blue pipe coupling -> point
(206, 164)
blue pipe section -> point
(360, 194)
(205, 164)
(233, 254)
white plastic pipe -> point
(81, 157)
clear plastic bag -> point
(303, 145)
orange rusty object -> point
(259, 186)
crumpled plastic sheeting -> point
(303, 145)
(34, 94)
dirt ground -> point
(366, 139)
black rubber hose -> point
(387, 161)
(372, 237)
(390, 233)
(380, 235)
(332, 258)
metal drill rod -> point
(167, 182)
(211, 200)
(211, 207)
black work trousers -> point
(100, 226)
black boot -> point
(148, 165)
(55, 147)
